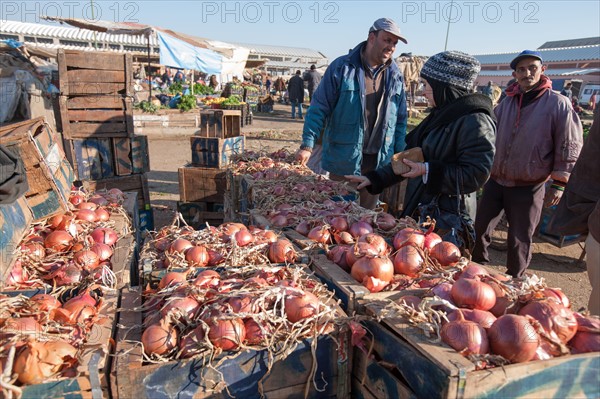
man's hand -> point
(302, 156)
(362, 181)
(552, 197)
(416, 168)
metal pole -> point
(448, 28)
(94, 18)
(149, 74)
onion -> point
(514, 338)
(207, 279)
(197, 256)
(473, 294)
(557, 320)
(86, 215)
(86, 259)
(159, 338)
(282, 251)
(187, 306)
(88, 205)
(343, 237)
(173, 278)
(431, 240)
(410, 300)
(79, 311)
(408, 236)
(17, 275)
(408, 261)
(320, 234)
(360, 249)
(482, 317)
(58, 241)
(241, 304)
(103, 251)
(98, 200)
(34, 250)
(474, 271)
(465, 336)
(337, 255)
(191, 343)
(303, 228)
(443, 291)
(300, 305)
(67, 275)
(377, 242)
(20, 325)
(381, 268)
(102, 214)
(76, 198)
(256, 333)
(226, 334)
(104, 235)
(385, 221)
(39, 361)
(179, 245)
(339, 223)
(243, 237)
(558, 295)
(215, 257)
(44, 302)
(360, 228)
(587, 338)
(446, 253)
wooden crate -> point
(131, 379)
(137, 183)
(49, 174)
(201, 184)
(434, 370)
(15, 219)
(131, 155)
(96, 90)
(236, 198)
(198, 214)
(214, 152)
(220, 123)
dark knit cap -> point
(452, 67)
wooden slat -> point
(103, 116)
(95, 102)
(89, 128)
(129, 116)
(93, 76)
(64, 117)
(129, 76)
(62, 74)
(90, 89)
(103, 61)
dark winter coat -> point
(460, 151)
(296, 89)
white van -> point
(586, 92)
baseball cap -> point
(387, 25)
(525, 54)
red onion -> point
(587, 338)
(558, 295)
(58, 241)
(408, 236)
(463, 335)
(385, 221)
(300, 305)
(408, 261)
(226, 334)
(473, 294)
(431, 240)
(320, 234)
(282, 251)
(376, 241)
(484, 318)
(514, 338)
(381, 268)
(557, 320)
(159, 338)
(103, 251)
(360, 228)
(179, 245)
(187, 306)
(303, 228)
(105, 235)
(446, 253)
(87, 215)
(339, 223)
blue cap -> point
(387, 25)
(525, 54)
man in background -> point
(313, 78)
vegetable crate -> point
(198, 214)
(236, 200)
(214, 152)
(49, 174)
(96, 91)
(289, 378)
(434, 370)
(220, 123)
(15, 219)
(100, 158)
(202, 184)
(94, 360)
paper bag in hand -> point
(414, 154)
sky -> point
(333, 27)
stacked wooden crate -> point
(97, 123)
(203, 183)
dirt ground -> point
(558, 266)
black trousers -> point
(523, 208)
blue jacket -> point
(338, 107)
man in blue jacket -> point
(360, 108)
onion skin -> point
(555, 319)
(39, 361)
(300, 305)
(587, 338)
(431, 240)
(159, 338)
(512, 337)
(104, 235)
(226, 334)
(282, 251)
(360, 228)
(408, 261)
(446, 253)
(58, 241)
(380, 268)
(191, 343)
(409, 236)
(463, 335)
(197, 256)
(254, 333)
(320, 234)
(482, 317)
(473, 294)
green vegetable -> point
(147, 106)
(188, 101)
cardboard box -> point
(49, 174)
(214, 152)
(15, 219)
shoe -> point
(301, 117)
(293, 117)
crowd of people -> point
(520, 155)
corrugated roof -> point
(586, 41)
(584, 53)
(282, 51)
(549, 72)
(61, 32)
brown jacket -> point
(545, 137)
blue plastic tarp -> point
(177, 53)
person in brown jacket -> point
(538, 138)
(578, 211)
